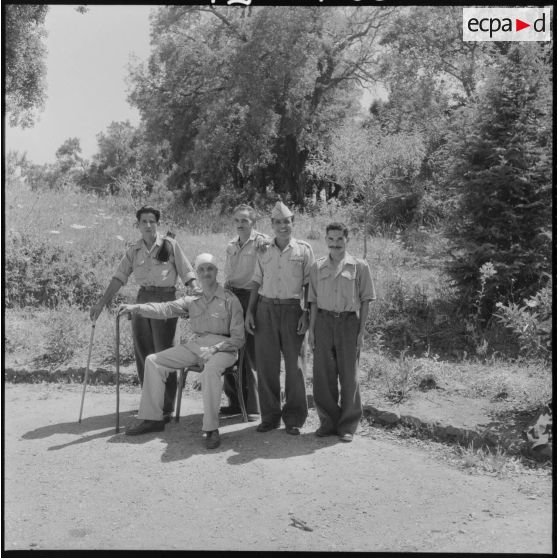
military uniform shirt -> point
(340, 289)
(241, 261)
(282, 274)
(149, 271)
(221, 315)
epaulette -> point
(303, 242)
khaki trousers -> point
(158, 366)
(275, 334)
(335, 365)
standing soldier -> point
(340, 292)
(278, 322)
(240, 262)
(156, 261)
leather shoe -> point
(292, 430)
(346, 437)
(167, 417)
(212, 439)
(230, 410)
(323, 432)
(266, 427)
(146, 426)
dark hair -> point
(148, 209)
(338, 227)
(244, 207)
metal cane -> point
(117, 373)
(87, 370)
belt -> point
(158, 289)
(336, 314)
(279, 300)
(240, 291)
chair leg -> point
(180, 381)
(238, 380)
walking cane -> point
(87, 370)
(117, 373)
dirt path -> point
(81, 486)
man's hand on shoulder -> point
(261, 243)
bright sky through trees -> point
(86, 71)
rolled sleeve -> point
(366, 285)
(237, 336)
(313, 283)
(183, 266)
(308, 263)
(125, 267)
(163, 310)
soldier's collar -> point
(252, 236)
(291, 243)
(158, 242)
(219, 293)
(349, 259)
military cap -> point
(280, 211)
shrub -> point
(530, 322)
(38, 272)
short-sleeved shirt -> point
(149, 271)
(283, 273)
(342, 288)
(221, 315)
(241, 260)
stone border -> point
(486, 439)
(69, 375)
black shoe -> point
(230, 410)
(146, 426)
(292, 430)
(167, 417)
(323, 432)
(212, 439)
(266, 427)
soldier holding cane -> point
(156, 262)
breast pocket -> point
(219, 317)
(296, 264)
(348, 285)
(140, 269)
(162, 269)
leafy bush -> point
(40, 273)
(531, 322)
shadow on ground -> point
(86, 425)
(184, 439)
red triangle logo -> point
(519, 25)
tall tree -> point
(24, 62)
(502, 168)
(242, 95)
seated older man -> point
(216, 318)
